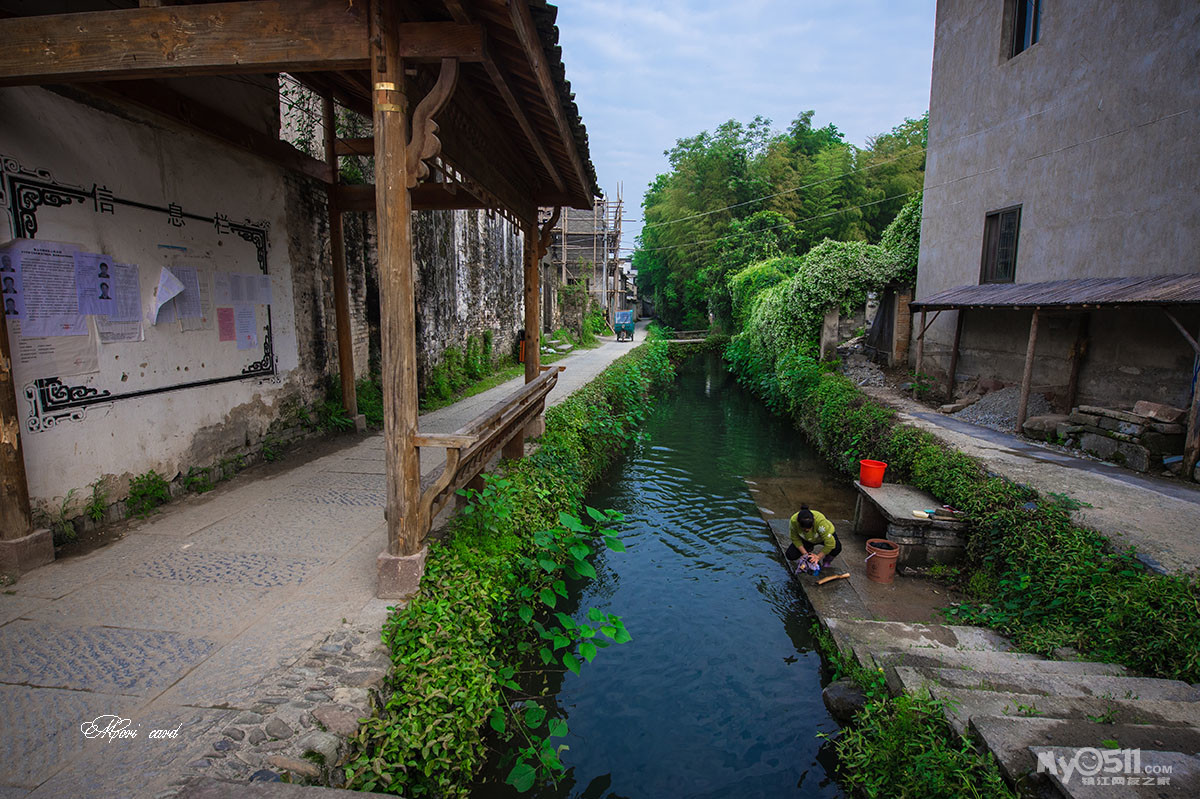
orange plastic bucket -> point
(881, 560)
(870, 473)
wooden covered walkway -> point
(470, 109)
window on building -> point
(1026, 25)
(1000, 231)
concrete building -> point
(1063, 146)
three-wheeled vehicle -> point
(624, 326)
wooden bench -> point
(887, 512)
(472, 446)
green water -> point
(719, 693)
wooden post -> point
(1191, 438)
(533, 321)
(920, 355)
(337, 252)
(393, 209)
(16, 520)
(1078, 351)
(21, 547)
(951, 378)
(1027, 377)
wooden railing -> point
(469, 448)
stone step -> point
(961, 705)
(898, 665)
(900, 636)
(207, 788)
(1045, 681)
(1017, 741)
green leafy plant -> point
(57, 518)
(147, 492)
(271, 449)
(198, 479)
(332, 417)
(905, 747)
(97, 504)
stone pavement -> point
(1159, 517)
(241, 622)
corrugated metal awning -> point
(1100, 292)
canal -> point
(719, 693)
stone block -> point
(1077, 417)
(1118, 426)
(301, 768)
(337, 720)
(400, 575)
(1040, 427)
(1167, 429)
(1158, 412)
(1124, 453)
(955, 407)
(843, 699)
(1113, 413)
(1113, 434)
(1161, 444)
(24, 554)
(1066, 430)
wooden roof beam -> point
(461, 16)
(532, 45)
(212, 38)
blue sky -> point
(648, 72)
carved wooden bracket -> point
(546, 231)
(425, 143)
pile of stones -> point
(1149, 437)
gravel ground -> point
(998, 410)
(862, 370)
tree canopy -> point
(747, 193)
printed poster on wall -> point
(62, 356)
(124, 323)
(94, 283)
(48, 303)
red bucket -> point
(870, 473)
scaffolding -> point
(585, 246)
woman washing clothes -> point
(813, 540)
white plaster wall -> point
(141, 160)
(1093, 131)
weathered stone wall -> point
(1092, 131)
(469, 279)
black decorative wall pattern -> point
(25, 192)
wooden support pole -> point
(1027, 377)
(396, 297)
(16, 521)
(1078, 352)
(337, 252)
(952, 376)
(920, 355)
(533, 324)
(1191, 438)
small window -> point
(1000, 231)
(1026, 25)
